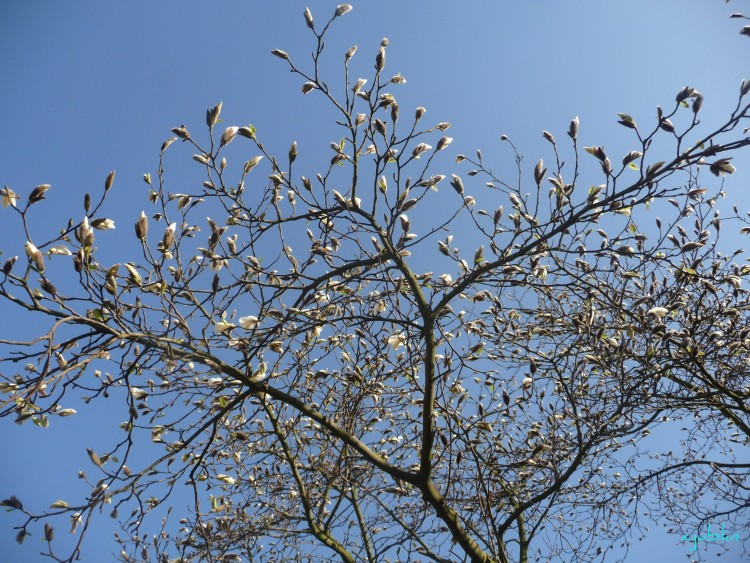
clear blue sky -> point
(92, 86)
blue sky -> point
(93, 86)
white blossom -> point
(659, 312)
(223, 326)
(396, 340)
(9, 197)
(249, 322)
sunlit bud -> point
(223, 326)
(358, 86)
(380, 59)
(181, 132)
(168, 238)
(539, 171)
(293, 152)
(342, 9)
(443, 142)
(419, 113)
(212, 115)
(48, 286)
(350, 53)
(60, 249)
(141, 226)
(419, 149)
(380, 127)
(36, 256)
(37, 194)
(98, 490)
(103, 224)
(697, 103)
(405, 223)
(247, 131)
(134, 276)
(109, 181)
(309, 19)
(547, 135)
(228, 136)
(281, 54)
(398, 79)
(443, 125)
(457, 184)
(252, 163)
(78, 261)
(308, 87)
(722, 166)
(75, 520)
(9, 197)
(394, 112)
(382, 184)
(360, 119)
(573, 129)
(8, 266)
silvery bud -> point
(380, 59)
(37, 194)
(141, 226)
(109, 181)
(342, 9)
(212, 115)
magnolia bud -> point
(8, 266)
(342, 9)
(212, 115)
(309, 19)
(37, 194)
(168, 238)
(380, 59)
(141, 226)
(109, 181)
(573, 129)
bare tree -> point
(382, 360)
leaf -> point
(653, 169)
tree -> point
(378, 360)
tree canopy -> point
(399, 353)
